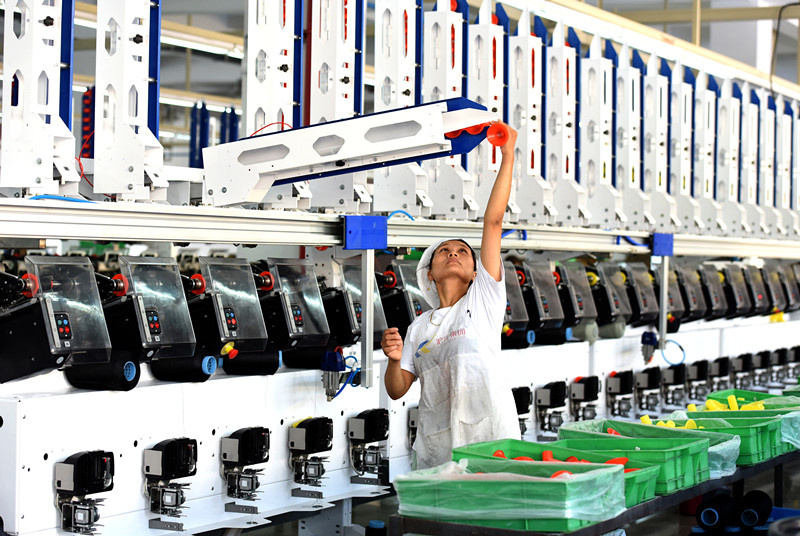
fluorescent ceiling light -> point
(194, 46)
(86, 23)
(166, 134)
(78, 88)
(176, 102)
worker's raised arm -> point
(496, 208)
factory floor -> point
(666, 523)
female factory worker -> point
(454, 347)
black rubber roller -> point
(184, 369)
(715, 512)
(753, 509)
(119, 374)
(251, 364)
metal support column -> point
(368, 319)
(663, 311)
(777, 483)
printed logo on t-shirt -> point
(422, 349)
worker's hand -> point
(392, 344)
(507, 149)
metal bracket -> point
(365, 480)
(157, 523)
(240, 508)
(306, 493)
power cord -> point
(775, 44)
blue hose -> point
(60, 198)
(401, 212)
(633, 242)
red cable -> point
(266, 126)
(80, 164)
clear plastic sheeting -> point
(790, 428)
(722, 453)
(780, 402)
(510, 489)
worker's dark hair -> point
(474, 258)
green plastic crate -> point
(719, 461)
(742, 396)
(783, 447)
(595, 493)
(682, 463)
(761, 437)
(640, 485)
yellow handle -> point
(301, 420)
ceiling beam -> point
(609, 19)
(729, 14)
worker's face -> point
(452, 259)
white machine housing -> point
(533, 194)
(729, 115)
(596, 116)
(128, 158)
(38, 148)
(569, 196)
(403, 187)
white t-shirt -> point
(485, 303)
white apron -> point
(462, 398)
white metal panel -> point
(269, 67)
(332, 95)
(756, 219)
(628, 158)
(569, 196)
(766, 166)
(596, 146)
(403, 187)
(35, 139)
(682, 117)
(783, 161)
(451, 189)
(728, 135)
(795, 184)
(705, 132)
(485, 72)
(533, 195)
(241, 172)
(655, 110)
(128, 159)
(269, 77)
